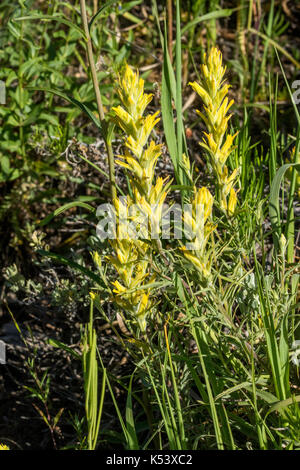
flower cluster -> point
(132, 256)
(213, 92)
(199, 228)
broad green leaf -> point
(280, 405)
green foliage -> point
(216, 364)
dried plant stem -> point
(170, 28)
(98, 99)
(95, 7)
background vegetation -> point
(218, 367)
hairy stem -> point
(98, 99)
(170, 28)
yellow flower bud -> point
(282, 243)
(4, 447)
(232, 202)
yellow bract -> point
(132, 255)
(213, 90)
(232, 202)
(4, 447)
(131, 93)
(198, 228)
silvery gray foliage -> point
(295, 353)
(17, 282)
(247, 296)
(68, 296)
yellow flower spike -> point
(201, 92)
(227, 181)
(150, 156)
(142, 309)
(135, 147)
(158, 192)
(199, 230)
(97, 259)
(148, 124)
(131, 92)
(186, 162)
(131, 259)
(131, 164)
(213, 92)
(92, 295)
(232, 202)
(204, 198)
(212, 145)
(138, 130)
(227, 148)
(119, 289)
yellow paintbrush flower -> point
(213, 92)
(203, 267)
(131, 93)
(131, 259)
(129, 117)
(4, 447)
(232, 202)
(203, 199)
(198, 228)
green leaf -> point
(64, 208)
(233, 389)
(274, 208)
(50, 118)
(73, 265)
(130, 425)
(100, 11)
(213, 15)
(57, 344)
(72, 100)
(59, 19)
(5, 165)
(168, 91)
(280, 405)
(57, 417)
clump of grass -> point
(237, 318)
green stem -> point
(98, 99)
(170, 29)
(21, 90)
